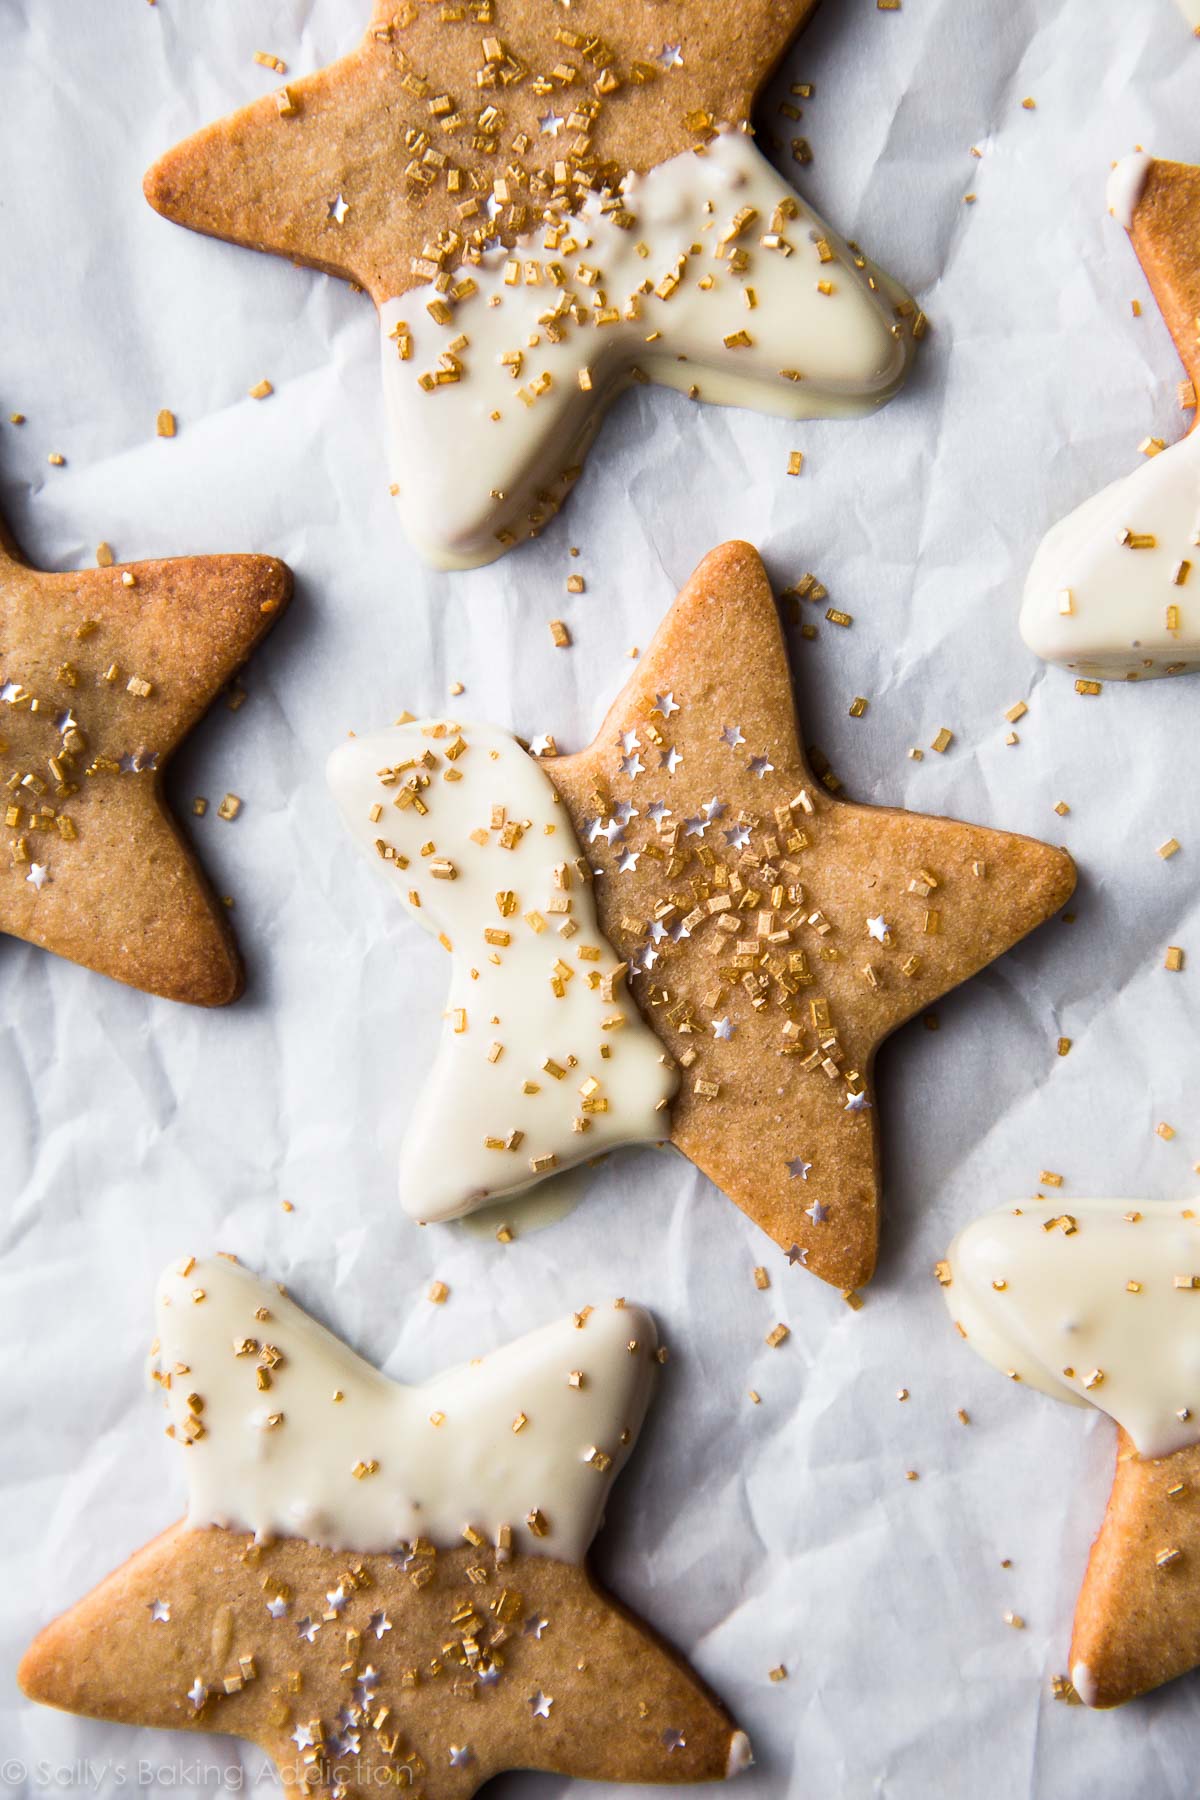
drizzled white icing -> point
(1101, 608)
(1126, 183)
(544, 1059)
(1053, 1307)
(295, 1477)
(660, 295)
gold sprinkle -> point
(942, 741)
(795, 462)
(1174, 958)
(1169, 848)
(777, 1336)
(1015, 1620)
(762, 1280)
(230, 807)
(778, 1674)
(439, 1293)
(560, 635)
(165, 423)
(1164, 1131)
(262, 390)
(104, 556)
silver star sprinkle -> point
(738, 837)
(338, 209)
(797, 1255)
(534, 1627)
(760, 766)
(799, 1167)
(657, 811)
(670, 760)
(197, 1693)
(541, 1704)
(817, 1213)
(460, 1755)
(670, 56)
(674, 1740)
(714, 809)
(160, 1612)
(732, 736)
(379, 1623)
(627, 861)
(308, 1628)
(878, 929)
(695, 827)
(633, 766)
(337, 1600)
(38, 876)
(302, 1737)
(723, 1030)
(277, 1607)
(856, 1103)
(551, 123)
(664, 705)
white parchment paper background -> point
(134, 1131)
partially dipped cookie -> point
(1113, 592)
(1098, 1306)
(771, 934)
(385, 1586)
(547, 206)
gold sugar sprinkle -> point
(942, 741)
(230, 807)
(777, 1336)
(262, 390)
(1169, 848)
(559, 634)
(439, 1293)
(1174, 957)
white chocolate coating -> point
(1126, 182)
(295, 1478)
(614, 311)
(1053, 1307)
(577, 1071)
(1118, 625)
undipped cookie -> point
(546, 206)
(385, 1586)
(1098, 1306)
(773, 934)
(1114, 590)
(103, 673)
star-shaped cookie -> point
(1095, 1305)
(777, 933)
(102, 674)
(1111, 592)
(437, 1624)
(515, 186)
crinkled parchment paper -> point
(134, 1131)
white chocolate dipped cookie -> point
(544, 1060)
(1113, 592)
(383, 1586)
(545, 209)
(1100, 1306)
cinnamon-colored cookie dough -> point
(103, 673)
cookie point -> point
(1084, 1683)
(741, 1755)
